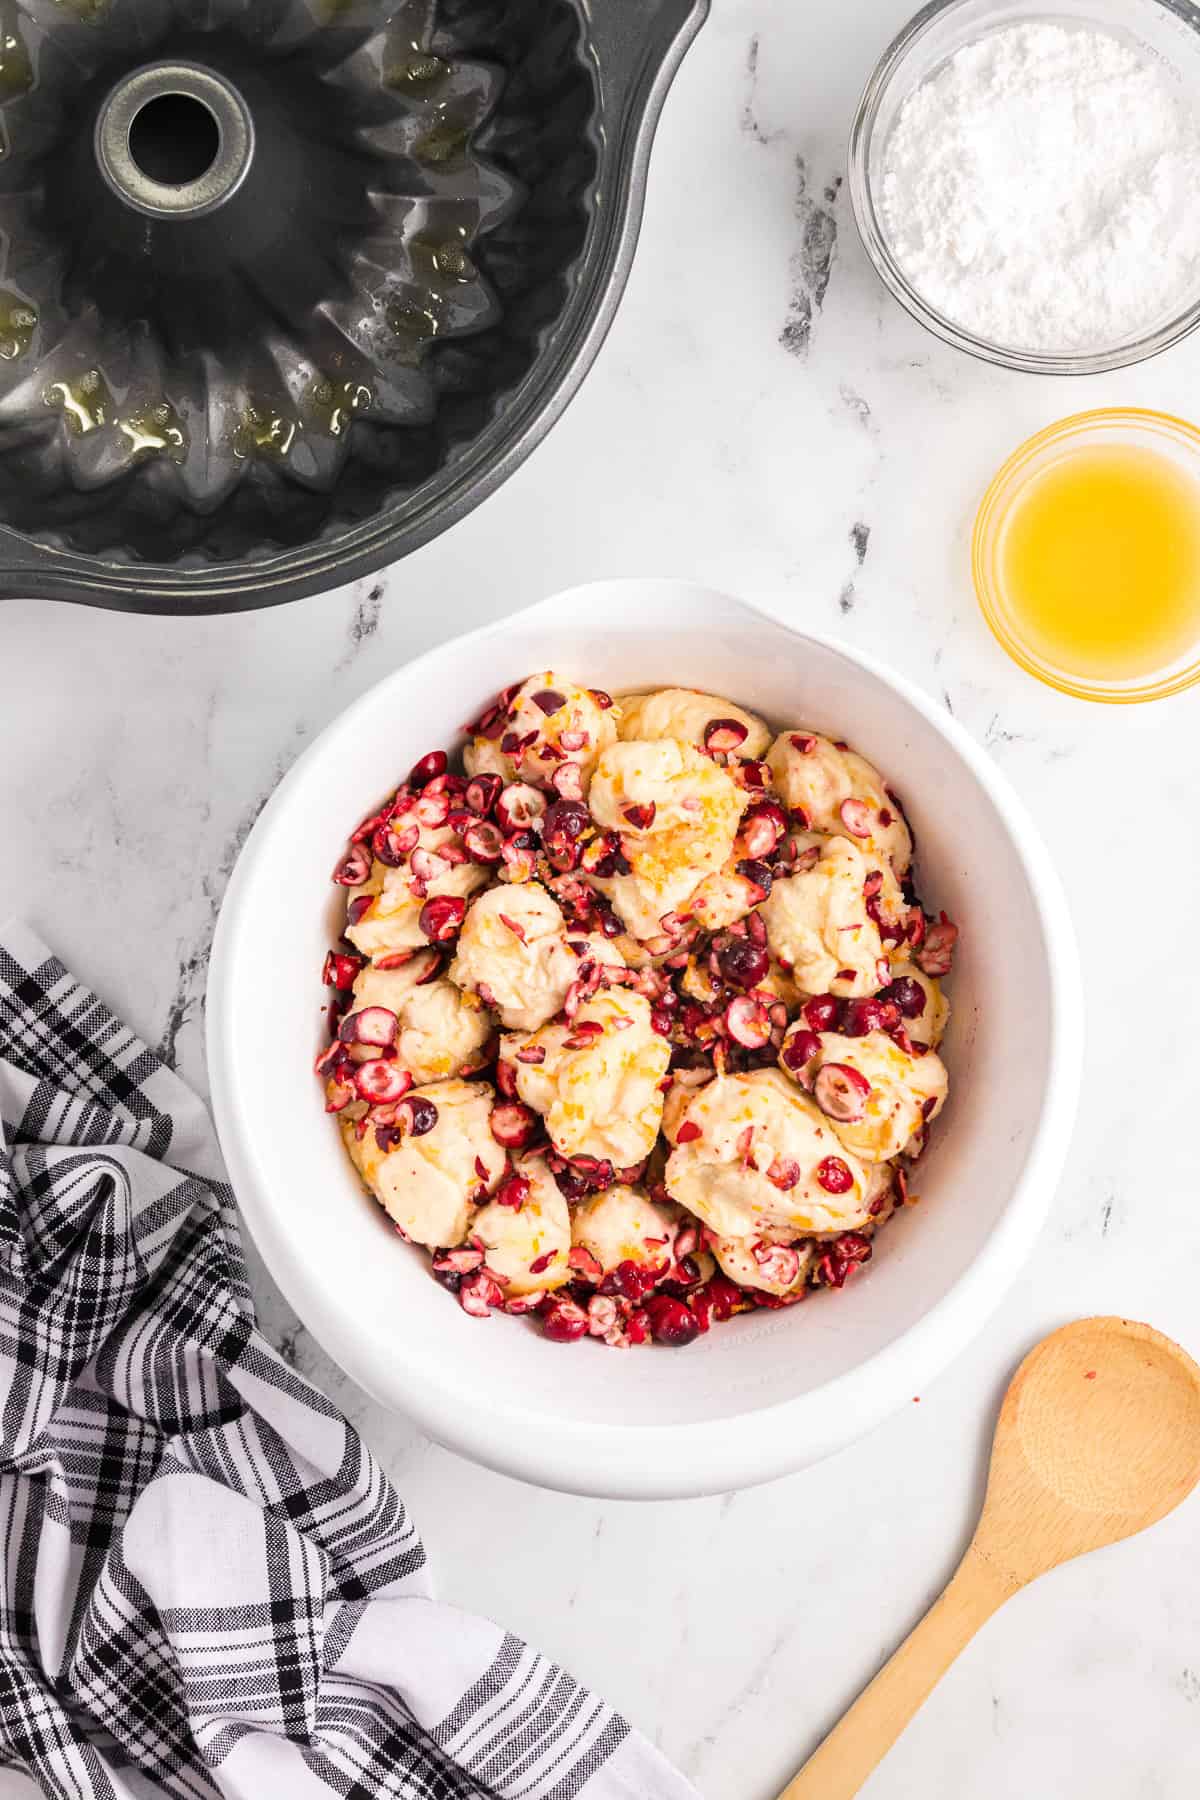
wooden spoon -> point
(1098, 1437)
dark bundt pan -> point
(291, 285)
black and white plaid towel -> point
(208, 1586)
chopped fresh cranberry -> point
(639, 818)
(457, 1262)
(585, 1264)
(520, 864)
(742, 963)
(514, 1125)
(479, 1293)
(861, 1016)
(762, 827)
(520, 807)
(633, 1281)
(688, 1132)
(841, 1092)
(748, 1022)
(382, 1082)
(423, 772)
(937, 953)
(567, 781)
(907, 994)
(799, 1048)
(441, 918)
(777, 1263)
(563, 1322)
(565, 823)
(856, 817)
(671, 1322)
(339, 1094)
(340, 971)
(548, 700)
(803, 742)
(834, 1175)
(514, 1190)
(724, 735)
(354, 868)
(432, 810)
(758, 874)
(422, 1114)
(483, 791)
(822, 1011)
(784, 1173)
(373, 1025)
(484, 842)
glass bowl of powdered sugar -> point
(1025, 179)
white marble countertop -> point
(764, 418)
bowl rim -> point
(874, 238)
(1002, 493)
(679, 1460)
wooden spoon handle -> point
(838, 1767)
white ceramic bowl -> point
(768, 1392)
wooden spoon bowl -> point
(1098, 1437)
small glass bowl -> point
(1128, 426)
(1169, 28)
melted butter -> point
(334, 404)
(445, 142)
(16, 66)
(414, 328)
(18, 322)
(263, 432)
(86, 406)
(157, 431)
(416, 70)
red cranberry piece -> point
(514, 1190)
(441, 918)
(354, 868)
(585, 1264)
(724, 735)
(520, 807)
(802, 742)
(422, 1114)
(856, 817)
(373, 1025)
(380, 1082)
(779, 1263)
(520, 864)
(749, 1022)
(483, 791)
(841, 1092)
(359, 907)
(429, 865)
(688, 1132)
(834, 1175)
(423, 772)
(633, 1281)
(339, 1094)
(432, 810)
(671, 1322)
(937, 953)
(565, 823)
(514, 1125)
(758, 874)
(340, 971)
(799, 1048)
(548, 700)
(506, 1080)
(822, 1011)
(762, 827)
(907, 994)
(742, 963)
(784, 1173)
(860, 1016)
(639, 818)
(563, 1322)
(479, 1293)
(567, 781)
(484, 842)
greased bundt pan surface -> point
(290, 285)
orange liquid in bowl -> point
(1099, 559)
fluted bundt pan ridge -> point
(289, 285)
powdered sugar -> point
(1040, 189)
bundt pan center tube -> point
(289, 286)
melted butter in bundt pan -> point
(290, 285)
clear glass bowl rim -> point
(874, 239)
(1003, 488)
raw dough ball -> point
(756, 1153)
(686, 714)
(623, 1225)
(813, 774)
(819, 928)
(598, 1085)
(429, 1184)
(516, 1238)
(549, 722)
(901, 1087)
(515, 952)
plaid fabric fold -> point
(208, 1585)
